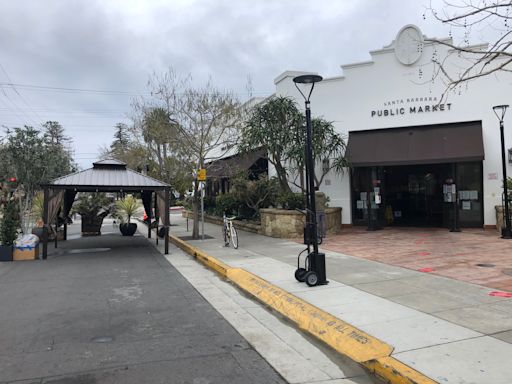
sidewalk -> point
(451, 331)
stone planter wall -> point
(244, 226)
(279, 222)
(290, 224)
(500, 215)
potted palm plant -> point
(126, 208)
(93, 208)
(8, 230)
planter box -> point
(280, 223)
(26, 253)
(6, 252)
(500, 216)
(290, 224)
(243, 225)
(91, 225)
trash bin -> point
(26, 247)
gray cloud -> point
(115, 45)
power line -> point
(105, 91)
(19, 94)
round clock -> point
(409, 45)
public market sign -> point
(411, 106)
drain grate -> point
(189, 238)
(485, 265)
(507, 271)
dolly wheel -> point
(300, 274)
(311, 278)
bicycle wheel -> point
(234, 237)
(225, 235)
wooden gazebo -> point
(105, 176)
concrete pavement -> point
(296, 357)
(450, 331)
(111, 309)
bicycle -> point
(229, 231)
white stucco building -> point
(406, 142)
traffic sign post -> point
(201, 174)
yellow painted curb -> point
(341, 336)
(203, 257)
(344, 338)
(396, 372)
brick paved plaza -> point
(453, 255)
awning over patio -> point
(433, 144)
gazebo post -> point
(157, 217)
(148, 214)
(45, 223)
(166, 221)
(56, 227)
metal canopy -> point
(446, 143)
(106, 176)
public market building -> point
(408, 144)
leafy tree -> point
(9, 224)
(160, 134)
(58, 155)
(255, 194)
(279, 126)
(121, 141)
(273, 125)
(33, 158)
(328, 148)
(54, 134)
(491, 17)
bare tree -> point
(491, 18)
(206, 121)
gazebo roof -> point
(107, 175)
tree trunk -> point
(281, 176)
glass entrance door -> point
(414, 194)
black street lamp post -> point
(499, 110)
(316, 261)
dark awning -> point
(430, 144)
(233, 165)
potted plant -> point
(93, 208)
(8, 230)
(126, 208)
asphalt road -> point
(111, 309)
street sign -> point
(201, 174)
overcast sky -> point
(62, 55)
